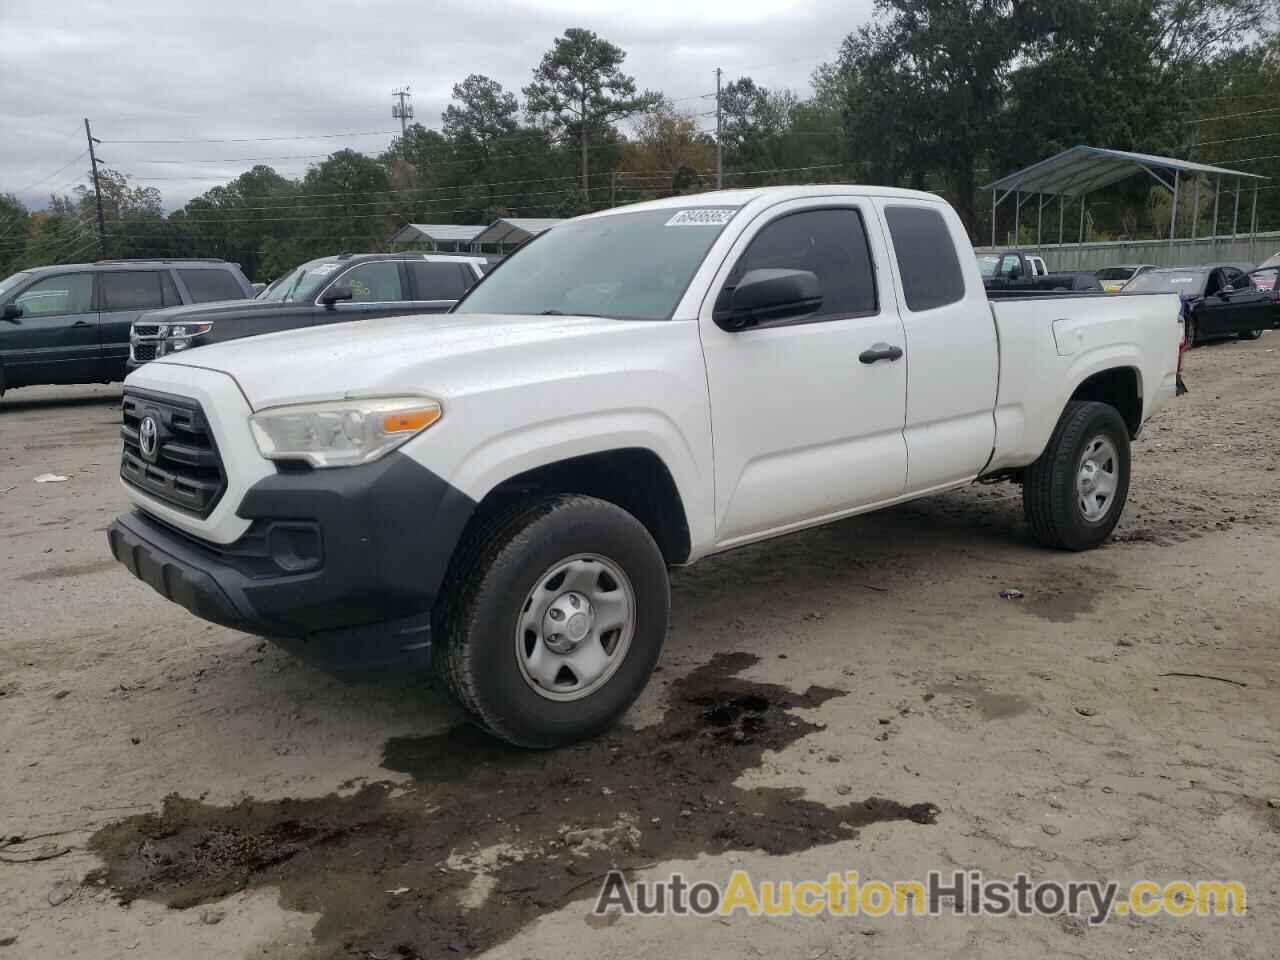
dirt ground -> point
(852, 698)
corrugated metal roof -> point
(1084, 169)
(515, 229)
(446, 232)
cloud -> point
(153, 70)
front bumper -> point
(340, 566)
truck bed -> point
(1053, 340)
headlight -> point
(180, 336)
(344, 432)
(189, 330)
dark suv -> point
(329, 290)
(70, 323)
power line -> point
(401, 192)
(366, 216)
(460, 197)
(1260, 136)
(294, 156)
(1270, 156)
(1233, 116)
(314, 136)
(37, 183)
(561, 141)
(1242, 96)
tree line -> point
(940, 95)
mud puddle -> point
(488, 838)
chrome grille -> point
(184, 469)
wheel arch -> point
(1119, 387)
(634, 478)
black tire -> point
(1192, 331)
(1050, 498)
(1250, 334)
(474, 654)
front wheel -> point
(553, 618)
(1191, 332)
(1074, 494)
(1249, 334)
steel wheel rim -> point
(1098, 478)
(575, 627)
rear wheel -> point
(1074, 494)
(1250, 334)
(553, 619)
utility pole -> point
(402, 111)
(719, 136)
(97, 191)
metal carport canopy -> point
(438, 232)
(1082, 169)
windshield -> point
(1115, 273)
(628, 266)
(987, 263)
(9, 283)
(1190, 282)
(303, 284)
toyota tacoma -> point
(500, 493)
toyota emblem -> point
(148, 438)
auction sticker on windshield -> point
(702, 217)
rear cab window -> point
(926, 255)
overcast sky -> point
(159, 70)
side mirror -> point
(764, 295)
(11, 313)
(337, 293)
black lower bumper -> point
(339, 566)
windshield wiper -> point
(562, 313)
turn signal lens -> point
(411, 421)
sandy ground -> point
(871, 659)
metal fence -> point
(1181, 252)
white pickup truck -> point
(500, 491)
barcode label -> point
(702, 217)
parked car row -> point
(1222, 300)
(1014, 270)
(327, 290)
(94, 322)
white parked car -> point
(504, 489)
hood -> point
(436, 354)
(220, 309)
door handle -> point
(880, 351)
(81, 323)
